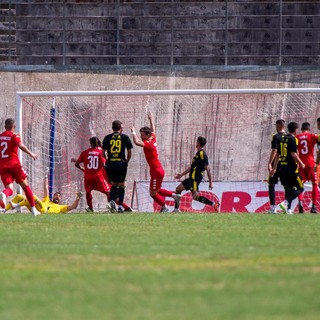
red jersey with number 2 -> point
(306, 143)
(151, 153)
(9, 142)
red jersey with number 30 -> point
(151, 153)
(9, 142)
(306, 143)
(93, 162)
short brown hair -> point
(116, 125)
(146, 130)
(9, 123)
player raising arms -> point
(196, 170)
(306, 143)
(45, 205)
(10, 166)
(148, 142)
(288, 160)
(115, 145)
(272, 181)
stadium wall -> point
(11, 82)
(241, 117)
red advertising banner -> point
(234, 197)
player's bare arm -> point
(209, 177)
(152, 126)
(318, 157)
(129, 154)
(275, 165)
(77, 164)
(76, 202)
(271, 158)
(45, 187)
(27, 151)
(135, 138)
(295, 156)
(180, 175)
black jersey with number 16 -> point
(287, 145)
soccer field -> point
(160, 266)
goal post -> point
(238, 125)
(51, 147)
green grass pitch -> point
(159, 266)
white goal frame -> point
(20, 95)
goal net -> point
(238, 125)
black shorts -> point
(191, 184)
(290, 178)
(117, 171)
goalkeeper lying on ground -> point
(45, 205)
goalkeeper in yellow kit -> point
(45, 205)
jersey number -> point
(283, 149)
(304, 149)
(93, 162)
(3, 151)
(115, 146)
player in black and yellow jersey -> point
(196, 170)
(287, 159)
(115, 146)
(272, 181)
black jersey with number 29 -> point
(115, 145)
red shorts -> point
(14, 173)
(157, 176)
(97, 183)
(308, 174)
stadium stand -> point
(193, 33)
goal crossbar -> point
(168, 92)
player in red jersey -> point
(306, 143)
(93, 167)
(10, 166)
(318, 152)
(149, 144)
(95, 177)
